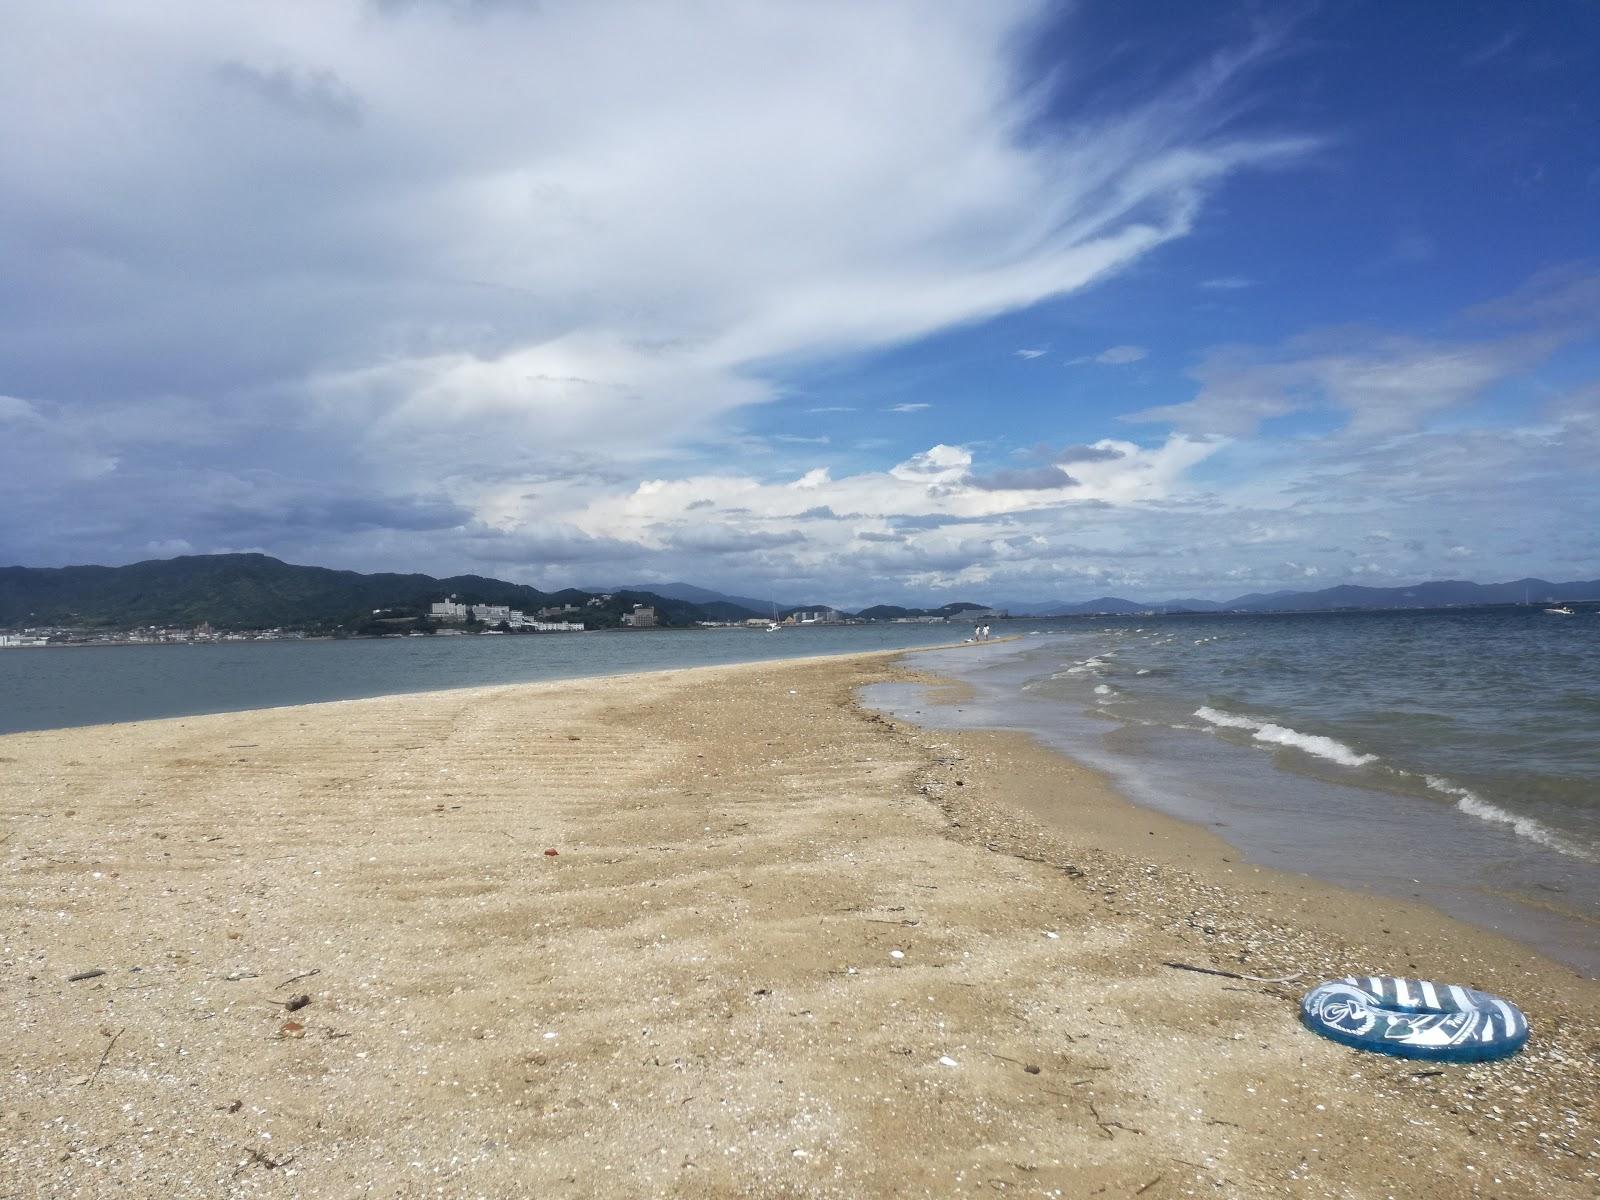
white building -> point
(817, 616)
(643, 616)
(449, 610)
(978, 615)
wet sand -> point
(785, 947)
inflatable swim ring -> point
(1413, 1018)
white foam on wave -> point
(1217, 717)
(1102, 690)
(1090, 666)
(1475, 805)
(1281, 735)
(1311, 743)
(1468, 802)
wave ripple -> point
(1281, 735)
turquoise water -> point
(1452, 756)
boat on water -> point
(1561, 610)
(773, 627)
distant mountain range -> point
(1442, 593)
(254, 591)
(878, 612)
(700, 595)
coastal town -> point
(454, 616)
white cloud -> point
(460, 275)
(941, 464)
(459, 238)
(907, 408)
(1114, 356)
(1379, 383)
(926, 522)
(1031, 353)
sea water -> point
(1451, 756)
(59, 687)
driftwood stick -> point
(1178, 966)
(294, 978)
(102, 1064)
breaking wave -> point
(1282, 735)
(1476, 806)
(1466, 801)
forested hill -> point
(255, 591)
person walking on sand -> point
(986, 633)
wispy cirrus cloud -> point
(1113, 356)
(1375, 382)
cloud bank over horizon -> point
(578, 293)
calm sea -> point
(1452, 756)
(57, 687)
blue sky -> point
(834, 302)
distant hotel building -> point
(451, 609)
(978, 615)
(816, 616)
(642, 617)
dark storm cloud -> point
(920, 521)
(358, 513)
(1028, 479)
(558, 544)
(1062, 455)
(717, 540)
(320, 95)
(275, 510)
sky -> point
(842, 301)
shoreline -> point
(697, 993)
(1102, 820)
(1296, 817)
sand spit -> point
(783, 948)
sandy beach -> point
(711, 932)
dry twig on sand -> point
(102, 1063)
(1178, 966)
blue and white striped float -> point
(1414, 1018)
